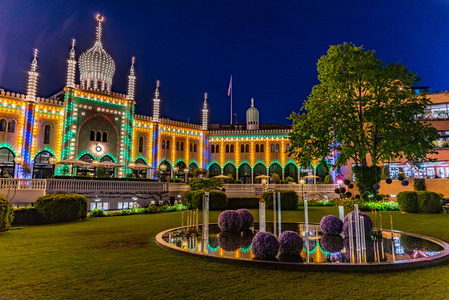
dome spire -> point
(32, 79)
(131, 81)
(100, 19)
(252, 102)
(156, 103)
(205, 122)
(71, 67)
(252, 117)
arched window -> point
(177, 145)
(11, 126)
(272, 148)
(257, 147)
(47, 130)
(217, 148)
(242, 148)
(277, 147)
(247, 148)
(287, 147)
(105, 137)
(212, 148)
(227, 148)
(92, 135)
(168, 145)
(191, 147)
(98, 139)
(141, 144)
(163, 144)
(232, 148)
(261, 148)
(194, 148)
(3, 125)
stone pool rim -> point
(440, 259)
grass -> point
(117, 258)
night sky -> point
(269, 47)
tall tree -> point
(365, 109)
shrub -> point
(289, 199)
(289, 179)
(217, 200)
(275, 178)
(230, 221)
(419, 184)
(6, 214)
(317, 202)
(265, 245)
(238, 181)
(290, 243)
(175, 180)
(247, 218)
(429, 202)
(331, 243)
(243, 202)
(408, 201)
(96, 213)
(331, 225)
(328, 179)
(27, 216)
(61, 207)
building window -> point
(177, 145)
(232, 148)
(3, 125)
(182, 146)
(217, 148)
(287, 148)
(227, 148)
(91, 84)
(272, 148)
(261, 148)
(105, 137)
(247, 148)
(141, 144)
(257, 148)
(92, 135)
(47, 129)
(242, 148)
(167, 145)
(194, 148)
(277, 147)
(163, 144)
(11, 126)
(191, 147)
(98, 139)
(99, 85)
(212, 148)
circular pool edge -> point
(439, 259)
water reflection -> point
(318, 247)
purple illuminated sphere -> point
(290, 243)
(265, 245)
(331, 225)
(230, 221)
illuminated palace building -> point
(89, 122)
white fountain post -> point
(362, 237)
(392, 239)
(306, 217)
(341, 213)
(357, 229)
(274, 215)
(279, 213)
(262, 224)
(351, 237)
(205, 233)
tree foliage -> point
(362, 108)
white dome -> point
(96, 66)
(252, 117)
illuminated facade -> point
(88, 121)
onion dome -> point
(96, 66)
(252, 117)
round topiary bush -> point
(265, 245)
(351, 186)
(342, 190)
(348, 194)
(388, 181)
(366, 219)
(331, 225)
(362, 188)
(229, 241)
(337, 191)
(401, 178)
(6, 214)
(346, 181)
(230, 221)
(331, 243)
(357, 197)
(404, 183)
(247, 218)
(290, 243)
(376, 186)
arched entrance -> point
(259, 169)
(165, 174)
(229, 169)
(245, 173)
(275, 168)
(7, 163)
(140, 173)
(42, 167)
(291, 171)
(180, 174)
(214, 170)
(86, 171)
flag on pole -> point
(230, 87)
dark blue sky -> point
(270, 47)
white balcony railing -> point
(257, 189)
(22, 184)
(70, 185)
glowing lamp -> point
(52, 160)
(186, 170)
(18, 159)
(340, 182)
(132, 165)
(264, 181)
(175, 169)
(163, 167)
(95, 163)
(302, 181)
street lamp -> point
(18, 159)
(264, 183)
(302, 181)
(175, 170)
(186, 171)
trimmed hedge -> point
(6, 214)
(194, 199)
(425, 202)
(419, 184)
(243, 202)
(61, 207)
(289, 199)
(27, 216)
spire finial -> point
(133, 60)
(72, 51)
(73, 44)
(252, 102)
(34, 62)
(156, 92)
(205, 96)
(100, 19)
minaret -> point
(205, 113)
(71, 67)
(156, 103)
(131, 81)
(32, 79)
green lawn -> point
(117, 258)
